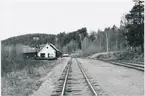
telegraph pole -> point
(107, 42)
(117, 40)
(100, 41)
(80, 40)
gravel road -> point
(115, 80)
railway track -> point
(75, 82)
(134, 65)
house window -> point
(47, 47)
(42, 54)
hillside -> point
(29, 39)
(60, 40)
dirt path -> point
(50, 80)
(115, 80)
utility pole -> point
(100, 41)
(57, 43)
(80, 41)
(107, 42)
(117, 40)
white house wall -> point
(46, 50)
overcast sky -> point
(19, 17)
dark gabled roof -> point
(28, 49)
(51, 46)
(54, 48)
(30, 53)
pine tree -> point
(135, 25)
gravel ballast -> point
(115, 80)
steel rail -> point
(134, 64)
(126, 64)
(86, 78)
(65, 81)
(129, 65)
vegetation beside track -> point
(129, 56)
(21, 81)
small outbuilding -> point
(30, 55)
(29, 52)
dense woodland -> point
(128, 37)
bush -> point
(12, 60)
(121, 56)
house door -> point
(42, 54)
(48, 55)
